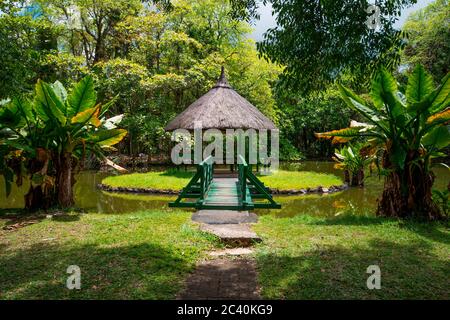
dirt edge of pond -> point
(316, 190)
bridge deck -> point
(223, 192)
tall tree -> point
(429, 39)
(316, 40)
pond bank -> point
(318, 190)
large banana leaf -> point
(440, 99)
(438, 138)
(357, 104)
(420, 85)
(108, 137)
(87, 116)
(384, 96)
(25, 109)
(439, 118)
(49, 103)
(82, 97)
(383, 86)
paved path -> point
(231, 274)
(222, 279)
(224, 217)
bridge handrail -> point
(242, 177)
(206, 170)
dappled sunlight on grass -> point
(307, 257)
(140, 255)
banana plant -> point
(411, 129)
(48, 138)
(352, 160)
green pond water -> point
(360, 201)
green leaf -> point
(59, 90)
(9, 115)
(26, 109)
(440, 97)
(82, 97)
(420, 85)
(49, 102)
(438, 138)
(357, 104)
(108, 137)
(384, 88)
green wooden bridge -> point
(205, 191)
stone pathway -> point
(224, 217)
(222, 279)
(231, 274)
(236, 235)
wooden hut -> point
(221, 108)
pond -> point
(361, 201)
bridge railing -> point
(242, 178)
(206, 170)
(248, 181)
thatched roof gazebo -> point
(221, 108)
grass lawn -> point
(142, 255)
(176, 180)
(317, 258)
(167, 180)
(148, 254)
(288, 180)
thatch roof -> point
(221, 108)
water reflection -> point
(354, 200)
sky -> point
(268, 21)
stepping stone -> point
(231, 252)
(232, 234)
(224, 217)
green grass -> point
(142, 255)
(287, 180)
(317, 258)
(176, 180)
(148, 254)
(168, 180)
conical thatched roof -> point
(221, 108)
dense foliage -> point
(410, 128)
(47, 139)
(319, 41)
(429, 39)
(154, 59)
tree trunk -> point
(360, 178)
(408, 194)
(65, 181)
(347, 177)
(354, 179)
(35, 199)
